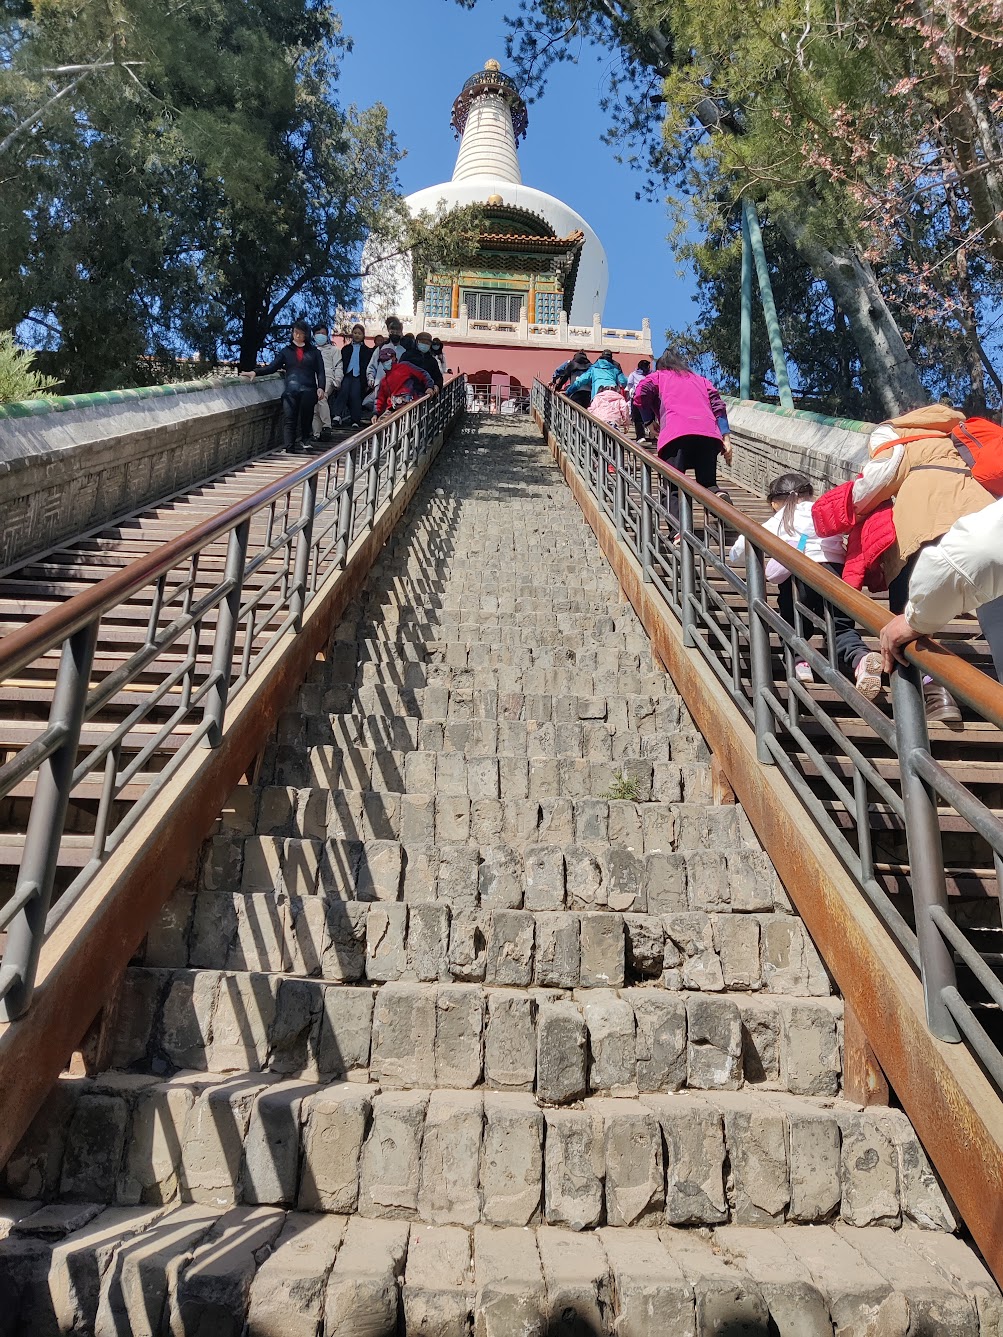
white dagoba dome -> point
(491, 117)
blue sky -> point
(414, 56)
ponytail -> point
(790, 488)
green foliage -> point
(18, 379)
(195, 191)
(867, 132)
(624, 788)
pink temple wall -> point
(485, 364)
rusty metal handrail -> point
(207, 632)
(736, 636)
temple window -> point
(483, 304)
(549, 306)
(438, 301)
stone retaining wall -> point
(770, 440)
(72, 464)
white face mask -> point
(424, 348)
(320, 339)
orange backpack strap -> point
(906, 437)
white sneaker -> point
(868, 676)
(802, 671)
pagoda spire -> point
(491, 117)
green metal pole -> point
(745, 370)
(750, 229)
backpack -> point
(979, 442)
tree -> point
(195, 195)
(807, 105)
(18, 378)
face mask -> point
(320, 340)
(424, 348)
(396, 338)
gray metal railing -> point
(198, 617)
(866, 774)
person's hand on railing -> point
(247, 375)
(895, 636)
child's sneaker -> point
(802, 671)
(868, 676)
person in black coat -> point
(304, 384)
(419, 354)
(352, 388)
(565, 375)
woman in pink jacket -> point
(691, 418)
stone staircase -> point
(480, 1016)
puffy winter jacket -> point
(602, 375)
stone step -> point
(447, 819)
(431, 940)
(499, 692)
(638, 715)
(210, 1269)
(487, 775)
(474, 737)
(387, 615)
(542, 876)
(463, 1157)
(555, 670)
(562, 1044)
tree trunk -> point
(888, 370)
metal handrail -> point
(752, 650)
(207, 631)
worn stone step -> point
(296, 1274)
(451, 819)
(641, 714)
(287, 761)
(500, 692)
(485, 775)
(554, 670)
(462, 1157)
(562, 1044)
(546, 875)
(430, 940)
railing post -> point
(373, 483)
(301, 570)
(620, 486)
(45, 823)
(345, 511)
(926, 853)
(226, 634)
(646, 526)
(759, 653)
(687, 580)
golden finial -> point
(495, 199)
(491, 65)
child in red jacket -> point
(402, 383)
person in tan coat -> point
(913, 461)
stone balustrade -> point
(70, 464)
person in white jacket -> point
(962, 573)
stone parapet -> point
(772, 440)
(72, 464)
